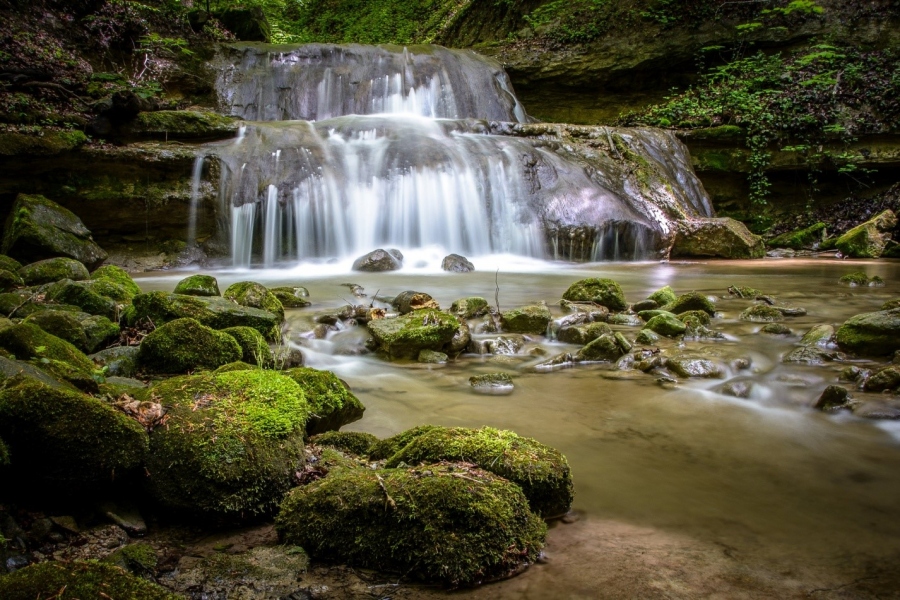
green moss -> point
(645, 337)
(604, 348)
(9, 264)
(237, 365)
(691, 301)
(9, 281)
(528, 319)
(867, 240)
(744, 292)
(664, 295)
(215, 312)
(66, 440)
(139, 558)
(873, 334)
(445, 523)
(891, 304)
(184, 124)
(119, 276)
(26, 341)
(99, 332)
(406, 336)
(854, 279)
(198, 285)
(469, 308)
(762, 313)
(291, 297)
(232, 443)
(541, 472)
(355, 442)
(183, 345)
(604, 292)
(695, 316)
(800, 238)
(254, 347)
(82, 295)
(389, 446)
(110, 289)
(332, 404)
(53, 269)
(50, 142)
(249, 293)
(62, 324)
(582, 334)
(666, 324)
(78, 581)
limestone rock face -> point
(722, 238)
(38, 228)
(869, 239)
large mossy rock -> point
(65, 440)
(527, 319)
(184, 345)
(86, 332)
(603, 349)
(198, 285)
(799, 239)
(79, 581)
(869, 239)
(357, 443)
(604, 292)
(582, 334)
(120, 361)
(117, 275)
(445, 523)
(53, 269)
(291, 297)
(38, 228)
(722, 238)
(689, 302)
(215, 312)
(83, 295)
(406, 336)
(542, 472)
(872, 334)
(331, 403)
(27, 341)
(254, 347)
(231, 445)
(666, 324)
(469, 308)
(255, 295)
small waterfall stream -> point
(350, 148)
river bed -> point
(680, 490)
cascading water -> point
(428, 173)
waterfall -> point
(351, 148)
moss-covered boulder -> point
(9, 264)
(891, 304)
(27, 341)
(184, 345)
(873, 334)
(406, 336)
(139, 558)
(231, 444)
(120, 361)
(331, 403)
(53, 269)
(868, 239)
(690, 301)
(662, 296)
(64, 325)
(353, 442)
(469, 308)
(10, 368)
(82, 295)
(291, 297)
(254, 295)
(254, 347)
(198, 285)
(78, 581)
(117, 275)
(666, 324)
(604, 292)
(722, 238)
(582, 334)
(857, 278)
(111, 290)
(38, 228)
(215, 312)
(9, 281)
(884, 380)
(605, 348)
(387, 447)
(527, 319)
(65, 440)
(762, 313)
(808, 237)
(446, 523)
(237, 365)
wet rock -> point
(16, 368)
(29, 342)
(737, 388)
(9, 281)
(182, 125)
(559, 360)
(820, 335)
(666, 324)
(79, 580)
(38, 228)
(662, 296)
(62, 324)
(120, 361)
(834, 397)
(604, 348)
(875, 334)
(884, 380)
(582, 334)
(378, 261)
(807, 355)
(502, 345)
(761, 313)
(791, 311)
(687, 366)
(775, 329)
(184, 345)
(126, 516)
(868, 239)
(461, 339)
(494, 384)
(644, 305)
(604, 292)
(854, 279)
(254, 295)
(722, 237)
(406, 336)
(198, 285)
(215, 312)
(647, 338)
(891, 304)
(435, 527)
(138, 559)
(408, 301)
(528, 319)
(430, 357)
(625, 319)
(331, 402)
(851, 373)
(457, 264)
(291, 297)
(690, 302)
(469, 308)
(53, 269)
(743, 292)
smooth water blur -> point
(769, 479)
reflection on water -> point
(780, 486)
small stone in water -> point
(776, 329)
(433, 358)
(834, 397)
(492, 383)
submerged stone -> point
(688, 366)
(493, 384)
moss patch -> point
(690, 301)
(183, 345)
(406, 336)
(332, 405)
(78, 581)
(874, 334)
(528, 319)
(354, 442)
(214, 312)
(604, 292)
(255, 350)
(254, 295)
(119, 276)
(26, 341)
(800, 238)
(198, 285)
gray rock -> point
(378, 261)
(120, 361)
(834, 397)
(457, 264)
(494, 384)
(688, 366)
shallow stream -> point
(681, 491)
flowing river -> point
(681, 491)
